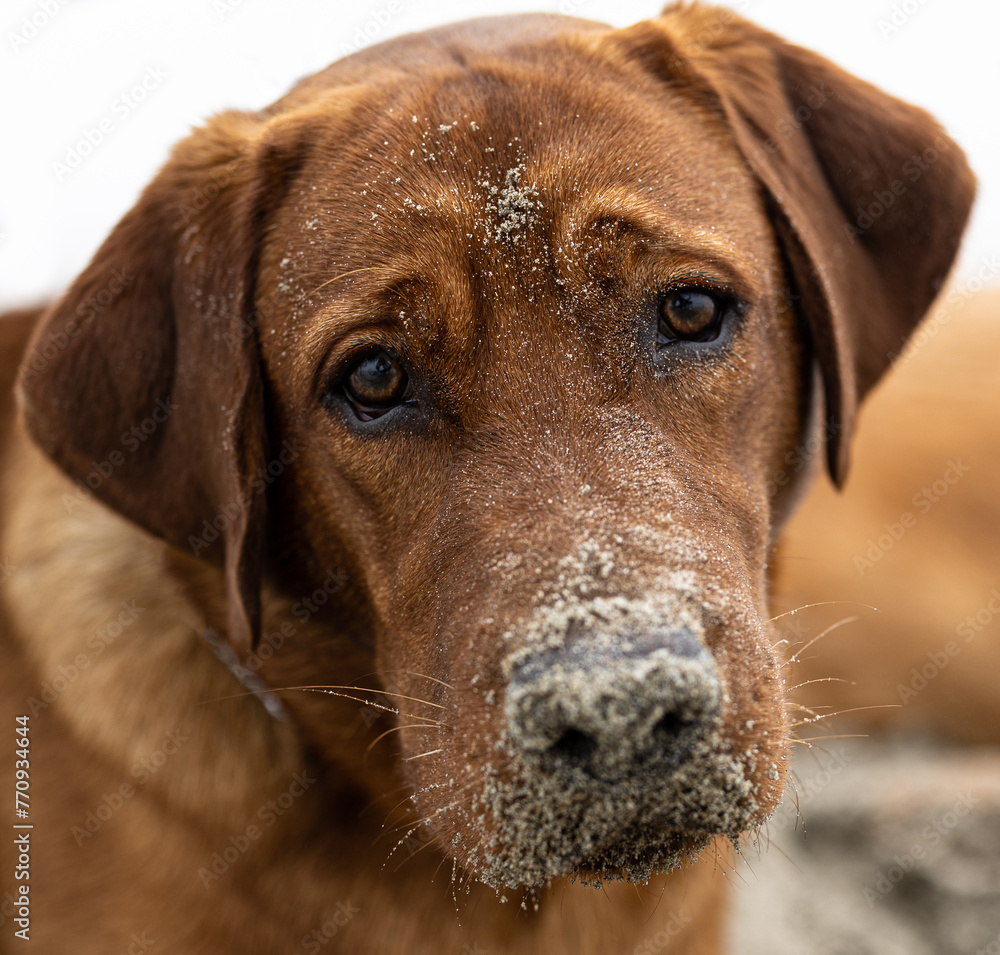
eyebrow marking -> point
(654, 235)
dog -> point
(388, 507)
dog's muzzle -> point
(613, 706)
(613, 757)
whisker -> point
(421, 848)
(823, 603)
(767, 840)
(800, 742)
(818, 717)
(347, 696)
(394, 729)
(733, 866)
(746, 862)
(774, 847)
(816, 739)
(437, 812)
(432, 752)
(663, 889)
(454, 896)
(428, 720)
(825, 679)
(368, 689)
(329, 690)
(798, 809)
(833, 626)
(407, 798)
(236, 696)
(437, 868)
(422, 676)
(809, 710)
(374, 801)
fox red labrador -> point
(387, 508)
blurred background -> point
(66, 66)
(901, 848)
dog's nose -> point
(613, 707)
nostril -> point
(575, 746)
(668, 726)
(637, 706)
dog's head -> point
(538, 319)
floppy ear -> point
(869, 195)
(143, 380)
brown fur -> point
(927, 455)
(508, 223)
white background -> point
(69, 75)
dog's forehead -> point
(479, 195)
(484, 149)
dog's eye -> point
(689, 314)
(376, 384)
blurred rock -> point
(899, 854)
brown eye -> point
(689, 314)
(376, 384)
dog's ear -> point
(868, 194)
(143, 382)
